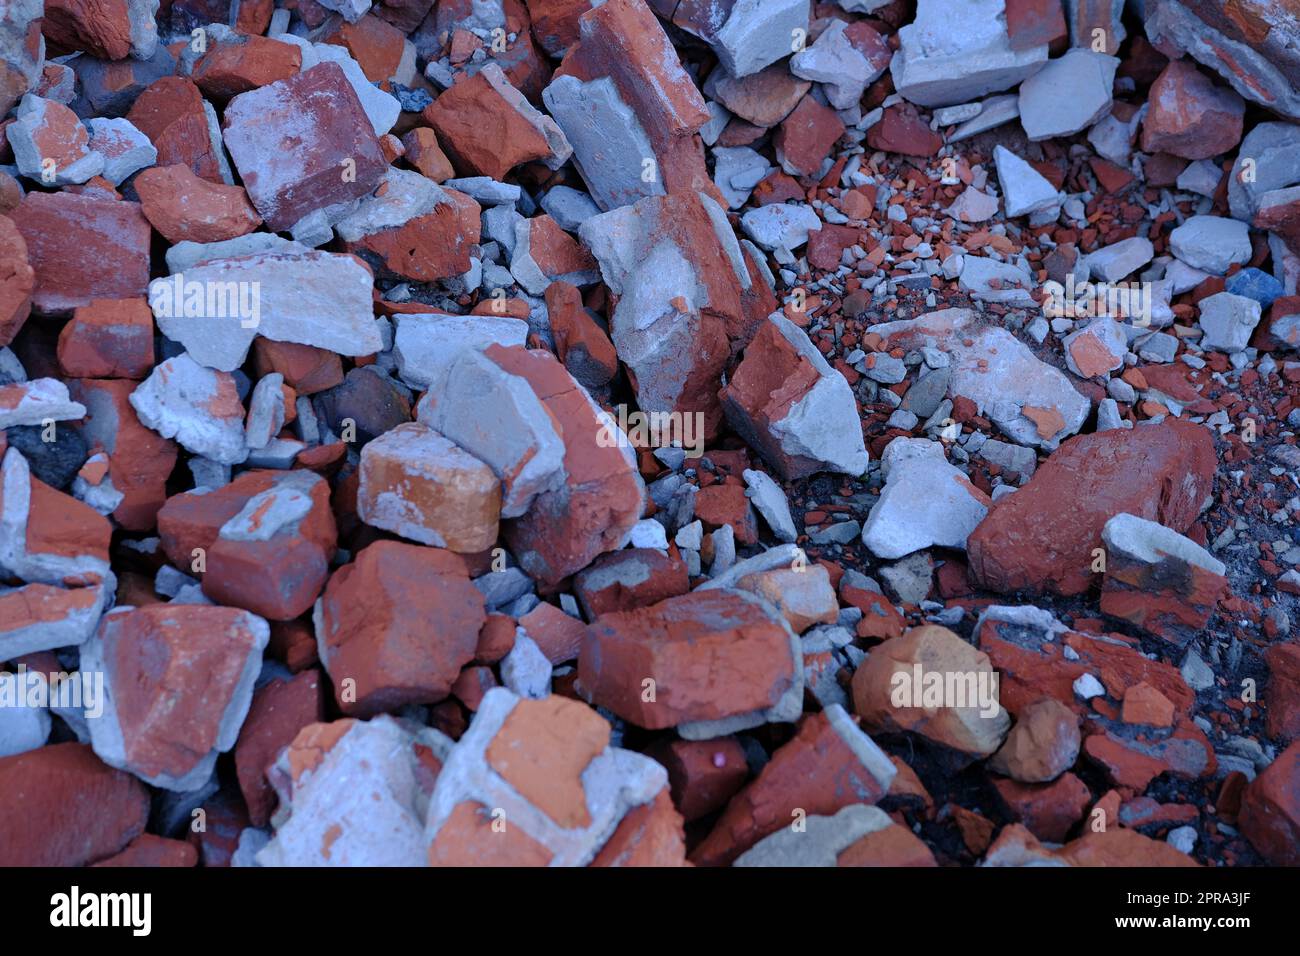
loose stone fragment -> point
(416, 483)
(178, 681)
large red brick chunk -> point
(1042, 537)
(396, 626)
(83, 248)
(302, 143)
(61, 806)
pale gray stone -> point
(525, 670)
(125, 149)
(1068, 94)
(1227, 321)
(770, 501)
(757, 33)
(173, 401)
(838, 65)
(610, 146)
(1212, 244)
(925, 502)
(1120, 259)
(1024, 190)
(938, 65)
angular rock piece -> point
(352, 793)
(781, 227)
(857, 835)
(24, 723)
(937, 65)
(1120, 259)
(280, 709)
(770, 501)
(1158, 580)
(763, 99)
(427, 346)
(396, 626)
(629, 579)
(178, 680)
(365, 406)
(1030, 401)
(1212, 244)
(181, 125)
(183, 207)
(1114, 847)
(1270, 810)
(803, 596)
(37, 401)
(931, 683)
(679, 644)
(1096, 349)
(109, 338)
(41, 617)
(22, 50)
(302, 144)
(925, 502)
(47, 537)
(544, 767)
(1067, 95)
(1042, 745)
(685, 289)
(1189, 116)
(787, 401)
(413, 229)
(902, 130)
(1031, 23)
(1028, 542)
(756, 33)
(197, 406)
(216, 309)
(1249, 47)
(272, 556)
(806, 137)
(50, 145)
(305, 368)
(602, 497)
(83, 248)
(487, 128)
(1049, 810)
(704, 774)
(580, 342)
(243, 63)
(1283, 695)
(1273, 147)
(555, 23)
(424, 153)
(112, 31)
(60, 806)
(828, 765)
(17, 280)
(628, 108)
(845, 59)
(1228, 321)
(1024, 190)
(1092, 21)
(418, 484)
(974, 206)
(194, 519)
(139, 461)
(545, 253)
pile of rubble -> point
(642, 432)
